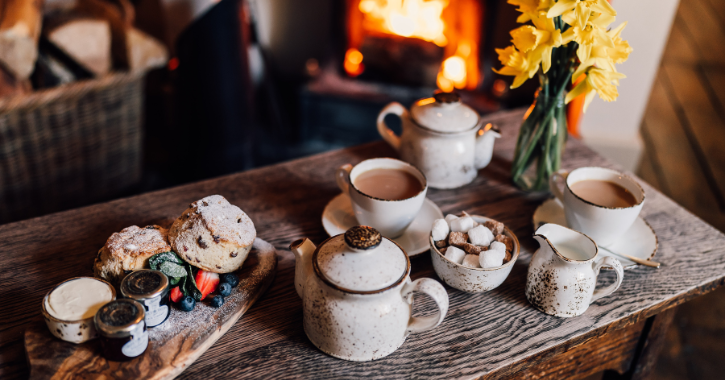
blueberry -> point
(187, 303)
(230, 279)
(217, 301)
(225, 289)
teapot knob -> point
(362, 238)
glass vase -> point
(540, 143)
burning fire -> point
(408, 18)
(425, 20)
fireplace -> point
(431, 43)
(376, 52)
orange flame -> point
(453, 28)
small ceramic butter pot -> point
(442, 137)
(357, 294)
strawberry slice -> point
(176, 294)
(207, 282)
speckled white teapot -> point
(357, 294)
(442, 137)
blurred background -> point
(101, 99)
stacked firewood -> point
(60, 41)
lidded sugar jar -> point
(357, 294)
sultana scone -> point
(213, 234)
(129, 250)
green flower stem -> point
(548, 116)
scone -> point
(129, 250)
(213, 235)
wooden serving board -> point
(173, 346)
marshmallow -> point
(480, 235)
(440, 230)
(450, 218)
(473, 249)
(462, 224)
(507, 241)
(458, 239)
(497, 246)
(471, 261)
(455, 254)
(492, 258)
(495, 227)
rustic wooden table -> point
(493, 335)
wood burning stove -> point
(415, 42)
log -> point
(20, 22)
(85, 40)
(120, 15)
(10, 86)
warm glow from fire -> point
(453, 26)
(353, 62)
(408, 18)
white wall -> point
(612, 129)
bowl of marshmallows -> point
(472, 253)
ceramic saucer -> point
(639, 241)
(338, 217)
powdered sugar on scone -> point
(213, 234)
(129, 250)
(225, 221)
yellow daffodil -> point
(527, 7)
(537, 41)
(515, 64)
(604, 56)
(621, 49)
(587, 38)
(580, 11)
(598, 81)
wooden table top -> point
(495, 333)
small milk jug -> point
(563, 272)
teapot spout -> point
(484, 145)
(303, 250)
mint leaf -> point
(190, 288)
(170, 256)
(172, 269)
(174, 280)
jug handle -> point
(434, 290)
(553, 185)
(386, 133)
(614, 263)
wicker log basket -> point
(79, 140)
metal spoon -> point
(648, 263)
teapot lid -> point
(444, 112)
(361, 260)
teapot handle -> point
(387, 134)
(614, 263)
(434, 290)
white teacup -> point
(603, 224)
(390, 217)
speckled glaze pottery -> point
(473, 280)
(442, 137)
(563, 272)
(390, 217)
(603, 224)
(357, 294)
(78, 331)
